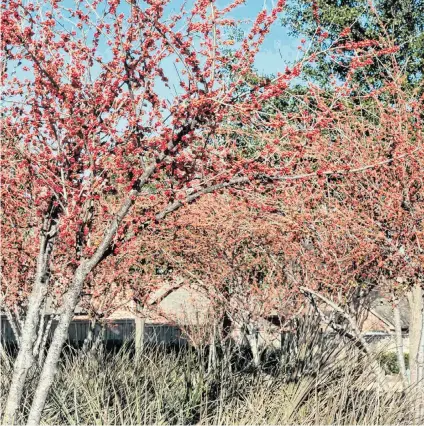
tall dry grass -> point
(164, 386)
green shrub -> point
(389, 362)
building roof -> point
(382, 309)
(176, 302)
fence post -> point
(139, 334)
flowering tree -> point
(95, 155)
(362, 226)
(369, 232)
(237, 255)
(349, 222)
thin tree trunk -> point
(13, 321)
(225, 340)
(13, 325)
(212, 356)
(212, 359)
(99, 340)
(140, 326)
(420, 355)
(42, 350)
(59, 338)
(19, 320)
(88, 341)
(252, 338)
(416, 355)
(419, 409)
(399, 343)
(25, 359)
(420, 373)
(415, 298)
(4, 355)
(40, 331)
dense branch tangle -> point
(99, 147)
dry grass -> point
(175, 387)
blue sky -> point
(279, 47)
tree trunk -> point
(212, 359)
(13, 325)
(25, 359)
(252, 338)
(399, 343)
(420, 355)
(59, 338)
(14, 321)
(4, 355)
(42, 350)
(415, 298)
(420, 374)
(140, 324)
(40, 331)
(225, 341)
(88, 341)
(416, 350)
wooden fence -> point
(116, 332)
(119, 331)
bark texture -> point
(415, 299)
(42, 350)
(399, 343)
(88, 341)
(59, 338)
(69, 304)
(40, 331)
(25, 359)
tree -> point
(326, 21)
(95, 156)
(236, 252)
(365, 227)
(349, 223)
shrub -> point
(389, 362)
